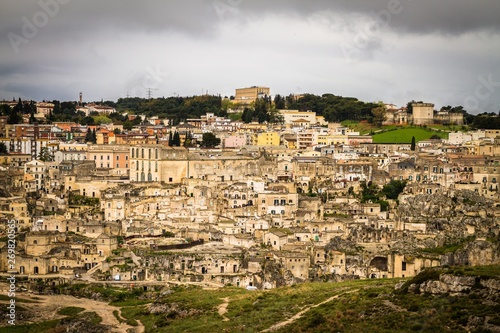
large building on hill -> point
(246, 96)
(422, 114)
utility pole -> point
(150, 92)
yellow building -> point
(291, 117)
(268, 139)
(246, 96)
(332, 139)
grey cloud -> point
(103, 47)
(411, 16)
(199, 17)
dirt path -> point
(301, 313)
(223, 308)
(48, 306)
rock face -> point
(474, 254)
(449, 213)
(492, 284)
(456, 285)
(433, 287)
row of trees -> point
(15, 115)
(176, 109)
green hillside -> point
(354, 306)
(404, 135)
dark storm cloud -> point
(414, 16)
(107, 48)
(198, 17)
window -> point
(403, 266)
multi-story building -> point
(267, 139)
(246, 96)
(290, 116)
(36, 170)
(155, 163)
(115, 157)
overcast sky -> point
(445, 52)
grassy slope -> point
(373, 307)
(398, 133)
(404, 135)
(361, 306)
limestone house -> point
(42, 242)
(399, 265)
(277, 203)
(337, 262)
(253, 225)
(106, 244)
(302, 216)
(384, 148)
(276, 239)
(241, 240)
(488, 175)
(56, 262)
(319, 255)
(16, 208)
(312, 205)
(298, 263)
(239, 194)
(50, 204)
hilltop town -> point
(215, 201)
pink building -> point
(234, 141)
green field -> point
(404, 135)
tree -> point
(412, 147)
(102, 119)
(4, 110)
(261, 110)
(176, 140)
(379, 115)
(188, 141)
(88, 136)
(170, 139)
(14, 117)
(247, 115)
(3, 149)
(32, 119)
(209, 140)
(279, 102)
(369, 191)
(94, 136)
(393, 189)
(45, 155)
(127, 125)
